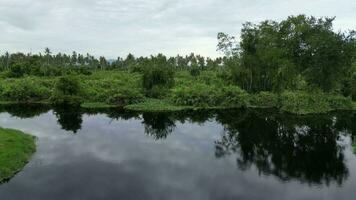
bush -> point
(339, 102)
(157, 91)
(304, 103)
(198, 94)
(211, 78)
(194, 71)
(17, 70)
(157, 78)
(353, 87)
(25, 90)
(124, 96)
(67, 92)
(203, 95)
(232, 96)
(264, 99)
(113, 88)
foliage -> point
(349, 83)
(264, 99)
(15, 151)
(339, 102)
(124, 96)
(304, 103)
(194, 71)
(118, 88)
(273, 54)
(157, 77)
(227, 44)
(232, 96)
(18, 70)
(199, 94)
(203, 95)
(67, 92)
(25, 90)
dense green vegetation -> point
(67, 92)
(15, 151)
(299, 65)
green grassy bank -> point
(16, 148)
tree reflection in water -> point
(306, 148)
(158, 125)
(24, 111)
(69, 119)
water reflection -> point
(70, 120)
(309, 149)
(158, 125)
(305, 148)
(24, 110)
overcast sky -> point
(116, 27)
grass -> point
(163, 105)
(97, 105)
(156, 105)
(16, 148)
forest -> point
(299, 65)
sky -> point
(115, 28)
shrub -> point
(194, 71)
(232, 96)
(353, 87)
(339, 102)
(203, 95)
(264, 99)
(25, 90)
(67, 92)
(157, 77)
(158, 91)
(124, 96)
(197, 94)
(17, 70)
(113, 88)
(304, 103)
(211, 78)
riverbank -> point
(156, 105)
(164, 105)
(208, 90)
(16, 149)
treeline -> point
(48, 64)
(297, 53)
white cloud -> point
(143, 27)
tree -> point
(320, 54)
(275, 55)
(67, 92)
(227, 44)
(158, 76)
(48, 55)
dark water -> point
(238, 154)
